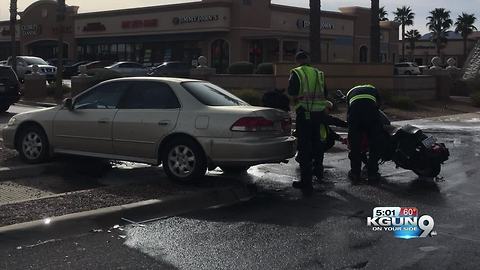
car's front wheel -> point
(33, 145)
(184, 161)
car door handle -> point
(104, 121)
(164, 123)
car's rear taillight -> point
(287, 125)
(253, 124)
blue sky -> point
(420, 7)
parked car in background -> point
(99, 64)
(171, 69)
(54, 62)
(186, 125)
(407, 68)
(26, 63)
(9, 88)
(3, 63)
(72, 70)
(129, 68)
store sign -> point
(195, 19)
(139, 24)
(304, 24)
(94, 27)
(31, 30)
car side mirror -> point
(68, 103)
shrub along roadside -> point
(241, 68)
(251, 96)
(401, 102)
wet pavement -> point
(280, 229)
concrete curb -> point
(107, 217)
(9, 173)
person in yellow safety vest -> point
(363, 118)
(307, 88)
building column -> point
(280, 50)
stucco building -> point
(225, 31)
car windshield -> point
(212, 95)
(35, 61)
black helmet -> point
(301, 55)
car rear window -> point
(212, 95)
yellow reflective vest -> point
(312, 85)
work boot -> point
(297, 184)
(319, 173)
(355, 178)
(374, 179)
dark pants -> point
(310, 147)
(363, 119)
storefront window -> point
(220, 55)
(255, 52)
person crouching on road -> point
(364, 119)
(307, 87)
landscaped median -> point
(72, 196)
(105, 207)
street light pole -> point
(61, 10)
(13, 23)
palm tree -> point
(412, 37)
(404, 16)
(13, 40)
(375, 32)
(438, 23)
(315, 45)
(465, 26)
(382, 14)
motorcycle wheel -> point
(431, 171)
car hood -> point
(42, 66)
(45, 114)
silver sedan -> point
(188, 126)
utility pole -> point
(61, 11)
(13, 35)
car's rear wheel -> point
(184, 161)
(408, 72)
(235, 169)
(33, 145)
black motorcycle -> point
(410, 148)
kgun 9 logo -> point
(404, 222)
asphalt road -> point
(280, 229)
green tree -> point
(13, 40)
(438, 23)
(375, 32)
(465, 26)
(315, 40)
(412, 37)
(382, 14)
(404, 16)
